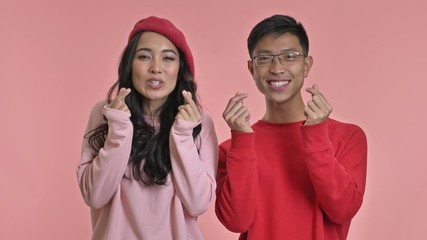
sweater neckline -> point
(152, 120)
(266, 124)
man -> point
(296, 173)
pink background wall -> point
(59, 57)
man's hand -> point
(236, 114)
(318, 109)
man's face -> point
(279, 79)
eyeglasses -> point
(286, 57)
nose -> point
(155, 66)
(276, 66)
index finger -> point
(313, 90)
(316, 87)
(234, 100)
(238, 97)
(123, 93)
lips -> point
(155, 83)
(278, 84)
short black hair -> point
(278, 25)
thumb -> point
(313, 90)
(316, 87)
(187, 96)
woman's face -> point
(155, 69)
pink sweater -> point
(123, 208)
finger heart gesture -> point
(318, 109)
(188, 111)
(118, 102)
(236, 114)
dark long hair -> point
(147, 143)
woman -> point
(149, 155)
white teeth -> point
(278, 83)
(155, 83)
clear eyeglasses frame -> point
(285, 58)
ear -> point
(307, 65)
(251, 67)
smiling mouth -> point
(278, 83)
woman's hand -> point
(118, 102)
(188, 111)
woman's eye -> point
(169, 59)
(144, 57)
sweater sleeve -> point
(237, 180)
(99, 174)
(338, 175)
(194, 162)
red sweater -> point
(289, 181)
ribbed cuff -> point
(315, 136)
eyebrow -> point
(163, 51)
(264, 51)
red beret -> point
(167, 29)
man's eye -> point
(290, 56)
(263, 59)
